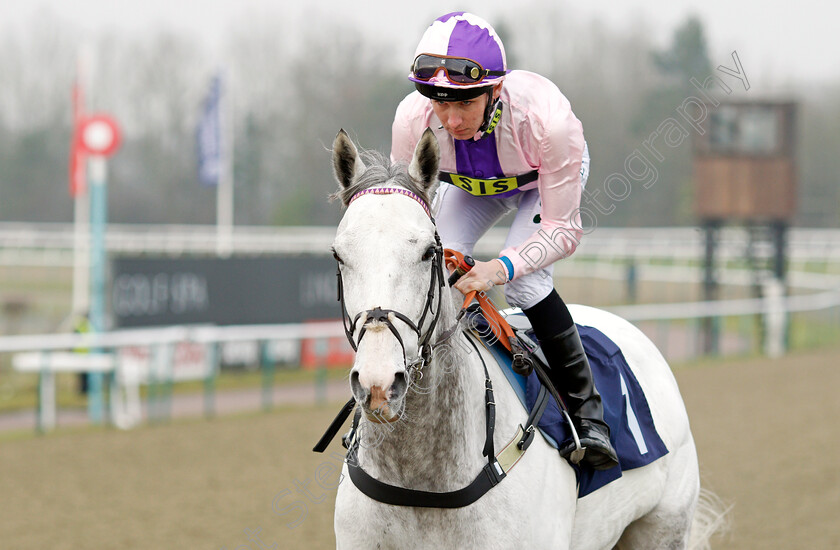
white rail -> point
(250, 333)
(775, 308)
(169, 335)
(22, 242)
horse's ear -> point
(347, 165)
(424, 165)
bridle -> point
(385, 316)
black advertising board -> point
(158, 291)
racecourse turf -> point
(766, 431)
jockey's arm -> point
(561, 154)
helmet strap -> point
(489, 110)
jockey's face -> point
(462, 119)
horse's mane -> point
(380, 170)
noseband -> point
(385, 316)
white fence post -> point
(46, 395)
(775, 317)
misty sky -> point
(782, 43)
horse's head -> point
(390, 268)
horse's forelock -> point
(379, 171)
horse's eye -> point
(337, 257)
(429, 253)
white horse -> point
(424, 424)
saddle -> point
(626, 411)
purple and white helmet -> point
(459, 57)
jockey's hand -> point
(483, 276)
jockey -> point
(509, 141)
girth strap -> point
(489, 477)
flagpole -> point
(97, 177)
(224, 191)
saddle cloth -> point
(626, 410)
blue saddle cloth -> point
(626, 410)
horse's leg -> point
(668, 524)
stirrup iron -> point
(577, 455)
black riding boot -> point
(571, 376)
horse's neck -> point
(442, 431)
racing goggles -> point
(458, 70)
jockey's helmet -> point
(459, 57)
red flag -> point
(77, 154)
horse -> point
(421, 389)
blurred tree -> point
(818, 125)
(33, 175)
(687, 56)
(339, 82)
(294, 88)
(606, 75)
(37, 68)
(154, 88)
(668, 201)
(38, 65)
(508, 36)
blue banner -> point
(209, 136)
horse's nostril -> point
(355, 385)
(399, 386)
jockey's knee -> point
(528, 290)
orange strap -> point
(500, 327)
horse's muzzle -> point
(379, 402)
